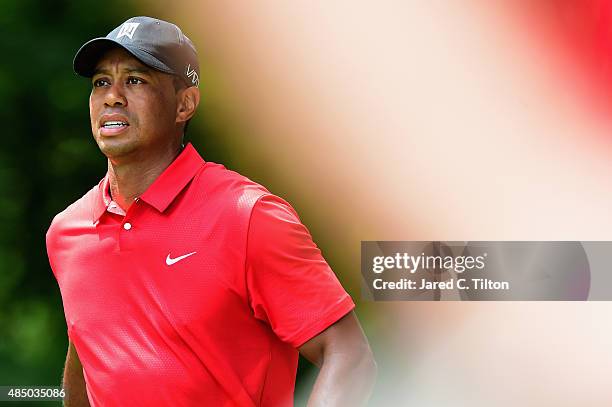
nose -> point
(115, 95)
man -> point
(184, 283)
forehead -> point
(120, 58)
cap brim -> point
(87, 57)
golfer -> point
(184, 283)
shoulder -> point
(229, 189)
(76, 213)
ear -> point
(187, 102)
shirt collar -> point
(166, 186)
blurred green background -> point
(48, 159)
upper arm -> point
(74, 380)
(345, 338)
(72, 357)
(348, 369)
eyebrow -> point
(124, 70)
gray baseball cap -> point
(156, 43)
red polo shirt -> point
(198, 296)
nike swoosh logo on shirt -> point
(170, 261)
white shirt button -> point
(127, 226)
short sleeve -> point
(291, 287)
(50, 241)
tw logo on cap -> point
(127, 30)
(192, 74)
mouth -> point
(111, 125)
(114, 124)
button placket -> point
(126, 235)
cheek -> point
(161, 108)
(92, 108)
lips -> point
(113, 124)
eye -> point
(100, 82)
(132, 80)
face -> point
(133, 108)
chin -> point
(116, 148)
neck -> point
(130, 179)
